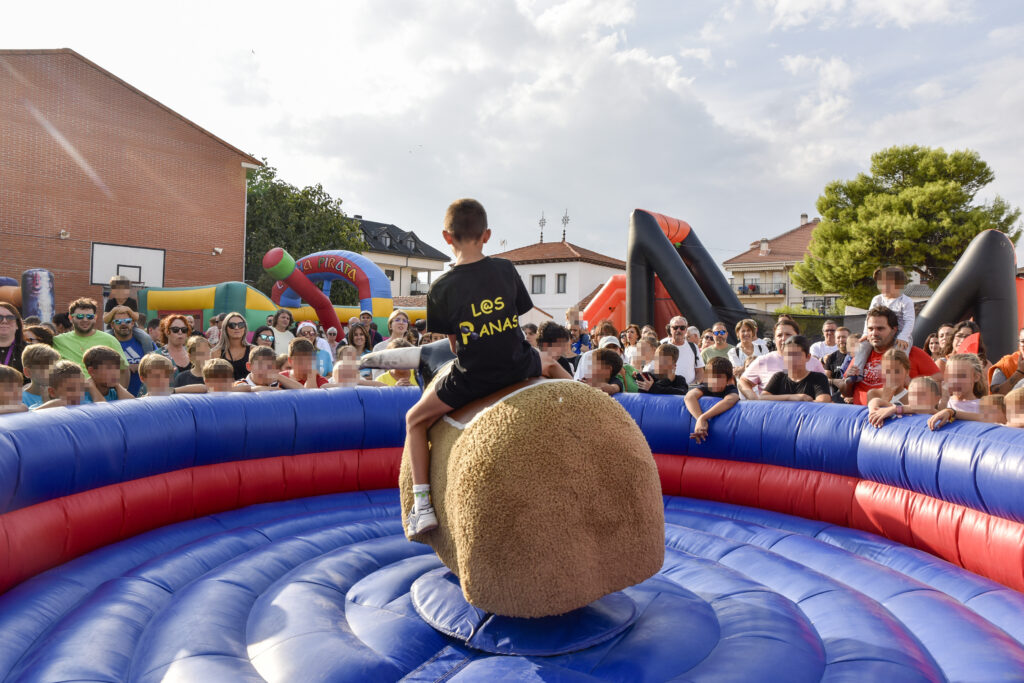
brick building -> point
(98, 178)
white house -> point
(406, 260)
(559, 275)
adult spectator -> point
(881, 326)
(73, 345)
(281, 321)
(689, 364)
(153, 330)
(835, 361)
(795, 382)
(579, 341)
(945, 333)
(233, 346)
(332, 339)
(175, 331)
(720, 346)
(359, 339)
(693, 335)
(829, 345)
(1008, 371)
(631, 337)
(263, 336)
(12, 341)
(748, 348)
(530, 333)
(933, 347)
(398, 328)
(134, 342)
(553, 339)
(62, 323)
(366, 318)
(37, 334)
(707, 340)
(756, 376)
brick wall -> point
(157, 181)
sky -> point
(732, 115)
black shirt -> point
(833, 361)
(729, 389)
(814, 385)
(239, 365)
(662, 385)
(480, 303)
(184, 379)
(129, 302)
(11, 355)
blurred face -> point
(945, 335)
(10, 393)
(236, 327)
(346, 372)
(83, 320)
(894, 374)
(158, 381)
(284, 320)
(200, 354)
(921, 396)
(852, 344)
(887, 286)
(716, 382)
(829, 331)
(120, 293)
(399, 325)
(261, 369)
(105, 375)
(645, 350)
(177, 332)
(992, 414)
(879, 335)
(959, 378)
(218, 384)
(782, 333)
(795, 359)
(677, 327)
(1015, 413)
(599, 373)
(841, 339)
(70, 390)
(265, 338)
(302, 364)
(746, 334)
(664, 365)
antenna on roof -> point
(542, 222)
(565, 223)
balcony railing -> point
(759, 288)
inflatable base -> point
(437, 597)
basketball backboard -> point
(144, 267)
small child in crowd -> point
(346, 371)
(396, 378)
(891, 281)
(36, 362)
(67, 385)
(301, 356)
(104, 367)
(1014, 404)
(198, 353)
(993, 409)
(797, 382)
(282, 363)
(155, 371)
(120, 294)
(11, 382)
(664, 379)
(964, 377)
(896, 377)
(219, 376)
(601, 372)
(922, 398)
(263, 375)
(718, 383)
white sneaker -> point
(421, 520)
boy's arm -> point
(310, 382)
(94, 393)
(190, 389)
(123, 393)
(692, 402)
(53, 403)
(15, 408)
(453, 344)
(244, 388)
(370, 383)
(722, 406)
(285, 381)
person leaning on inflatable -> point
(477, 304)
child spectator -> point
(923, 395)
(346, 371)
(993, 409)
(396, 378)
(219, 376)
(301, 356)
(719, 383)
(104, 367)
(964, 378)
(263, 374)
(553, 340)
(896, 377)
(891, 281)
(67, 385)
(37, 334)
(796, 382)
(156, 370)
(11, 382)
(626, 371)
(120, 294)
(1014, 404)
(477, 303)
(663, 378)
(604, 365)
(282, 363)
(198, 350)
(36, 362)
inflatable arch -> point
(257, 537)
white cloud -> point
(701, 54)
(878, 13)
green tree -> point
(301, 221)
(916, 209)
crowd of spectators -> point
(85, 357)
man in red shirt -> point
(881, 334)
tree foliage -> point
(916, 209)
(302, 221)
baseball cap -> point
(609, 340)
(305, 323)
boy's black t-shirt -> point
(129, 302)
(729, 389)
(480, 303)
(185, 379)
(814, 385)
(663, 385)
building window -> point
(561, 283)
(390, 274)
(411, 244)
(385, 239)
(537, 284)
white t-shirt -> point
(820, 349)
(903, 307)
(738, 357)
(282, 340)
(686, 366)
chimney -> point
(803, 219)
(357, 217)
(764, 247)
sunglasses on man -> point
(679, 327)
(8, 318)
(719, 333)
(122, 321)
(85, 316)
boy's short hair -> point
(261, 353)
(120, 281)
(345, 352)
(465, 220)
(101, 355)
(282, 360)
(193, 341)
(551, 332)
(530, 327)
(301, 346)
(38, 355)
(9, 375)
(719, 365)
(62, 371)
(786, 320)
(84, 302)
(895, 273)
(800, 341)
(154, 361)
(610, 359)
(933, 386)
(218, 368)
(398, 343)
(1014, 399)
(670, 350)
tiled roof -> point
(410, 301)
(585, 301)
(374, 232)
(916, 291)
(789, 246)
(553, 252)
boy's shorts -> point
(457, 389)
